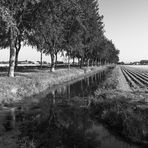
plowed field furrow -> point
(145, 78)
(129, 80)
(140, 73)
(139, 77)
(134, 77)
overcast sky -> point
(126, 23)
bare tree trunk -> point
(18, 47)
(16, 59)
(56, 55)
(12, 54)
(68, 62)
(41, 59)
(88, 63)
(52, 68)
(73, 61)
(92, 63)
(97, 62)
(100, 62)
(56, 59)
(81, 63)
(104, 62)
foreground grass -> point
(29, 82)
(124, 112)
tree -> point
(9, 24)
(113, 52)
(48, 27)
(12, 15)
(52, 26)
(109, 53)
(94, 28)
(36, 40)
(73, 28)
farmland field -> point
(143, 68)
(139, 66)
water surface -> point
(62, 119)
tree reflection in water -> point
(59, 126)
(60, 121)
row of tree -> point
(53, 26)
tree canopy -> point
(73, 26)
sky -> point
(126, 24)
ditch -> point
(62, 119)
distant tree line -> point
(144, 62)
(53, 26)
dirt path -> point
(122, 83)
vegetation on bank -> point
(74, 27)
(29, 82)
(65, 122)
(54, 122)
(125, 112)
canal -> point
(62, 119)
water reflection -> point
(82, 88)
(66, 126)
(63, 127)
(61, 121)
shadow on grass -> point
(3, 74)
(25, 68)
(33, 68)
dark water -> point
(62, 119)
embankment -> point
(125, 112)
(33, 82)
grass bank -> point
(33, 81)
(126, 113)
